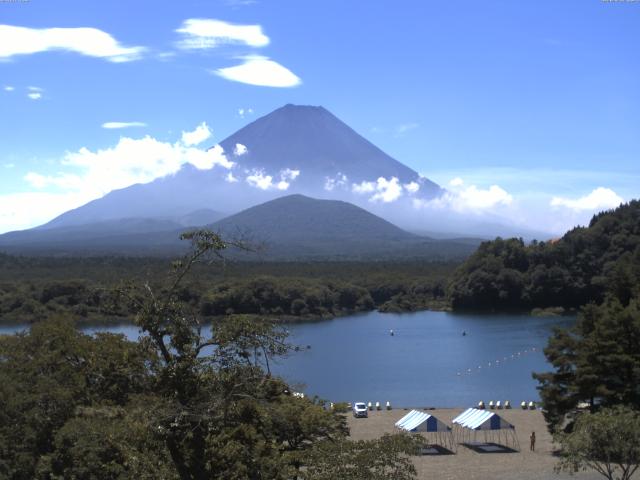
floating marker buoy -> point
(391, 333)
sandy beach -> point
(468, 464)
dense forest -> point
(581, 267)
(34, 288)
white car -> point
(360, 410)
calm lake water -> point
(427, 362)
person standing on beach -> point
(533, 441)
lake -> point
(427, 362)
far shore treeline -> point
(34, 288)
(556, 276)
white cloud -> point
(289, 174)
(242, 112)
(461, 198)
(9, 165)
(199, 135)
(363, 187)
(112, 125)
(340, 180)
(384, 190)
(9, 88)
(412, 187)
(401, 129)
(230, 178)
(259, 179)
(387, 190)
(34, 95)
(19, 211)
(86, 41)
(240, 150)
(90, 174)
(260, 71)
(599, 199)
(202, 33)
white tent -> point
(416, 421)
(495, 428)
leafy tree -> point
(223, 416)
(597, 361)
(583, 266)
(47, 374)
(607, 441)
(387, 457)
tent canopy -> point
(475, 419)
(416, 421)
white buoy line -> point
(498, 362)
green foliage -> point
(607, 441)
(46, 375)
(35, 288)
(582, 267)
(387, 457)
(597, 361)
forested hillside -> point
(581, 267)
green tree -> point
(223, 415)
(607, 441)
(597, 361)
(50, 372)
(381, 459)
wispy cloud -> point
(260, 71)
(203, 33)
(8, 88)
(403, 128)
(86, 41)
(243, 112)
(34, 93)
(113, 125)
(339, 181)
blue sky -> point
(541, 99)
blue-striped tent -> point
(495, 428)
(417, 421)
